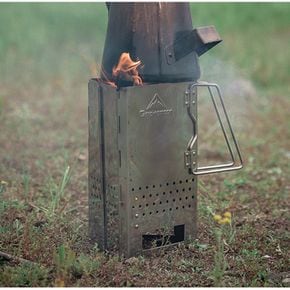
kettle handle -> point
(190, 152)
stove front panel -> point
(158, 194)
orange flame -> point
(129, 67)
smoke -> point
(237, 90)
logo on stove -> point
(155, 107)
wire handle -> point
(230, 166)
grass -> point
(48, 52)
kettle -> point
(160, 34)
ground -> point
(48, 53)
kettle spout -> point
(200, 40)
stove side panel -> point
(95, 176)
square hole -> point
(150, 241)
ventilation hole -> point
(183, 189)
(180, 181)
(192, 179)
(192, 197)
(173, 200)
(133, 206)
(164, 210)
(170, 209)
(140, 188)
(189, 205)
(177, 190)
(147, 186)
(183, 206)
(186, 180)
(163, 192)
(153, 186)
(157, 211)
(147, 204)
(132, 189)
(186, 197)
(180, 198)
(143, 196)
(157, 194)
(160, 202)
(189, 188)
(143, 213)
(173, 182)
(167, 201)
(154, 203)
(170, 191)
(160, 185)
(140, 205)
(167, 183)
(150, 212)
(176, 207)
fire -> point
(127, 69)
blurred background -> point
(55, 38)
(49, 51)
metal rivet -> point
(170, 54)
(136, 215)
(193, 163)
(186, 153)
(193, 152)
(186, 92)
(136, 226)
(136, 198)
(193, 102)
(187, 164)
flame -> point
(129, 67)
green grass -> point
(48, 52)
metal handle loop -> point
(219, 167)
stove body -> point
(143, 195)
(143, 151)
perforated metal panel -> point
(148, 197)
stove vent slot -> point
(161, 238)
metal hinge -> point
(190, 153)
(190, 159)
